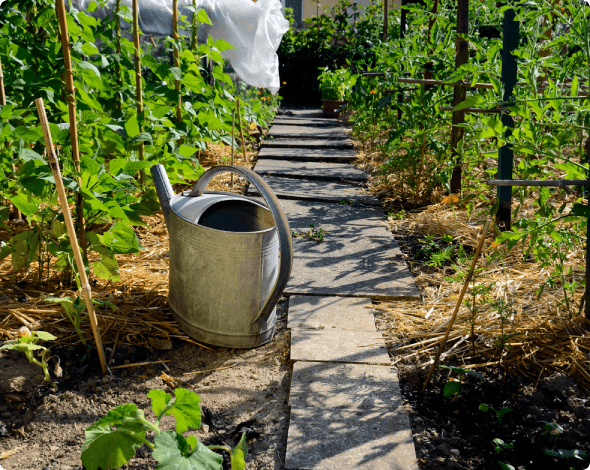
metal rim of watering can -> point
(284, 232)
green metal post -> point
(506, 154)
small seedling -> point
(27, 344)
(499, 413)
(452, 387)
(567, 454)
(501, 446)
(552, 429)
(112, 441)
(315, 234)
(506, 466)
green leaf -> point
(26, 207)
(160, 400)
(469, 102)
(132, 126)
(171, 450)
(451, 388)
(483, 407)
(186, 410)
(202, 17)
(106, 267)
(582, 210)
(505, 466)
(222, 45)
(121, 239)
(43, 335)
(575, 85)
(238, 454)
(106, 447)
(142, 137)
(187, 151)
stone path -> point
(345, 401)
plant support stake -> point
(233, 142)
(138, 84)
(63, 201)
(71, 95)
(241, 130)
(459, 300)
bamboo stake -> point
(194, 24)
(176, 56)
(459, 300)
(63, 200)
(233, 142)
(139, 364)
(71, 96)
(17, 212)
(241, 130)
(118, 51)
(138, 84)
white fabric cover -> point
(255, 29)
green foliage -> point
(452, 387)
(27, 344)
(567, 454)
(337, 84)
(113, 440)
(501, 446)
(499, 413)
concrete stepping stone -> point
(305, 113)
(341, 220)
(333, 345)
(308, 155)
(349, 439)
(343, 313)
(307, 132)
(309, 170)
(329, 386)
(290, 188)
(297, 121)
(351, 267)
(307, 144)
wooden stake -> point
(241, 130)
(71, 97)
(17, 213)
(63, 200)
(138, 83)
(118, 51)
(459, 300)
(194, 24)
(176, 56)
(385, 20)
(233, 142)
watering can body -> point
(230, 259)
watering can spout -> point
(163, 188)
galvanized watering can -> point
(230, 259)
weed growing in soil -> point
(501, 446)
(451, 387)
(567, 454)
(27, 344)
(112, 441)
(499, 413)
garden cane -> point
(63, 200)
(459, 300)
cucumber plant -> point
(113, 440)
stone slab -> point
(350, 347)
(312, 190)
(308, 155)
(307, 143)
(313, 113)
(371, 267)
(329, 386)
(309, 170)
(297, 121)
(307, 132)
(349, 439)
(342, 313)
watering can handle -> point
(284, 232)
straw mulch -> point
(541, 338)
(142, 316)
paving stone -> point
(308, 155)
(347, 440)
(307, 132)
(329, 385)
(305, 113)
(297, 121)
(309, 170)
(342, 313)
(332, 345)
(370, 267)
(290, 188)
(340, 220)
(307, 143)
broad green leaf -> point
(582, 210)
(132, 126)
(483, 407)
(160, 400)
(505, 466)
(186, 410)
(44, 335)
(23, 347)
(142, 137)
(238, 454)
(121, 239)
(469, 102)
(222, 45)
(575, 85)
(172, 451)
(451, 388)
(187, 151)
(26, 207)
(106, 267)
(202, 17)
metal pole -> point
(506, 154)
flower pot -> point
(330, 107)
